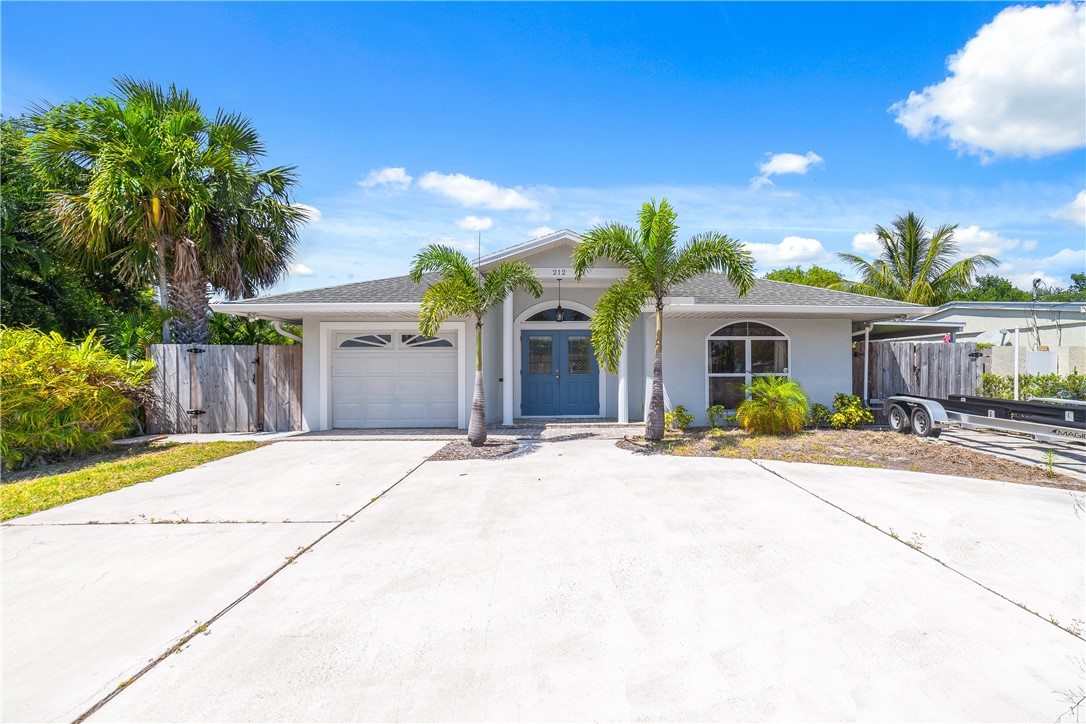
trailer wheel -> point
(922, 426)
(898, 419)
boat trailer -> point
(1040, 418)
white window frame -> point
(747, 376)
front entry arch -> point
(574, 385)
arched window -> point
(549, 315)
(739, 352)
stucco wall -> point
(820, 358)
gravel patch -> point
(463, 450)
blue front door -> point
(559, 373)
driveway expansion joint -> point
(167, 522)
(203, 627)
(920, 551)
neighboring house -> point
(1041, 324)
(365, 365)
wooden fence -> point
(226, 388)
(930, 369)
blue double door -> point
(559, 373)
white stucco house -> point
(365, 364)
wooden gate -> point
(929, 369)
(226, 388)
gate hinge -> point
(196, 412)
(195, 350)
(974, 355)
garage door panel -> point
(394, 386)
(442, 365)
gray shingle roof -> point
(716, 289)
(376, 291)
(705, 289)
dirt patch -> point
(463, 450)
(856, 448)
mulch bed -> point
(857, 448)
(463, 450)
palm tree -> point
(143, 183)
(654, 263)
(464, 291)
(916, 265)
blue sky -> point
(789, 126)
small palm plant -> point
(655, 263)
(777, 406)
(464, 291)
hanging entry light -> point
(559, 313)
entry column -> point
(507, 361)
(624, 383)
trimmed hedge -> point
(61, 398)
(1071, 387)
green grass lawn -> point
(28, 493)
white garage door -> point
(394, 379)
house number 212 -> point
(559, 272)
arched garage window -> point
(738, 353)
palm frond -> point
(711, 251)
(612, 241)
(446, 261)
(447, 297)
(616, 311)
(505, 278)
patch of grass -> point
(48, 491)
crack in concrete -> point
(203, 627)
(918, 550)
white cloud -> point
(867, 244)
(299, 270)
(790, 251)
(540, 231)
(475, 223)
(1075, 211)
(1017, 88)
(313, 214)
(776, 164)
(1053, 270)
(470, 191)
(974, 240)
(393, 177)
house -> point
(365, 364)
(1051, 335)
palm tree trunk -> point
(654, 420)
(190, 301)
(477, 425)
(163, 288)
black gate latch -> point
(196, 412)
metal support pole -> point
(1016, 363)
(867, 363)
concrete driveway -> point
(577, 582)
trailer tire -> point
(922, 426)
(898, 419)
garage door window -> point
(368, 340)
(417, 340)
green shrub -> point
(678, 418)
(717, 415)
(61, 398)
(1069, 387)
(820, 415)
(849, 412)
(777, 406)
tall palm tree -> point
(144, 183)
(654, 263)
(915, 265)
(464, 291)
